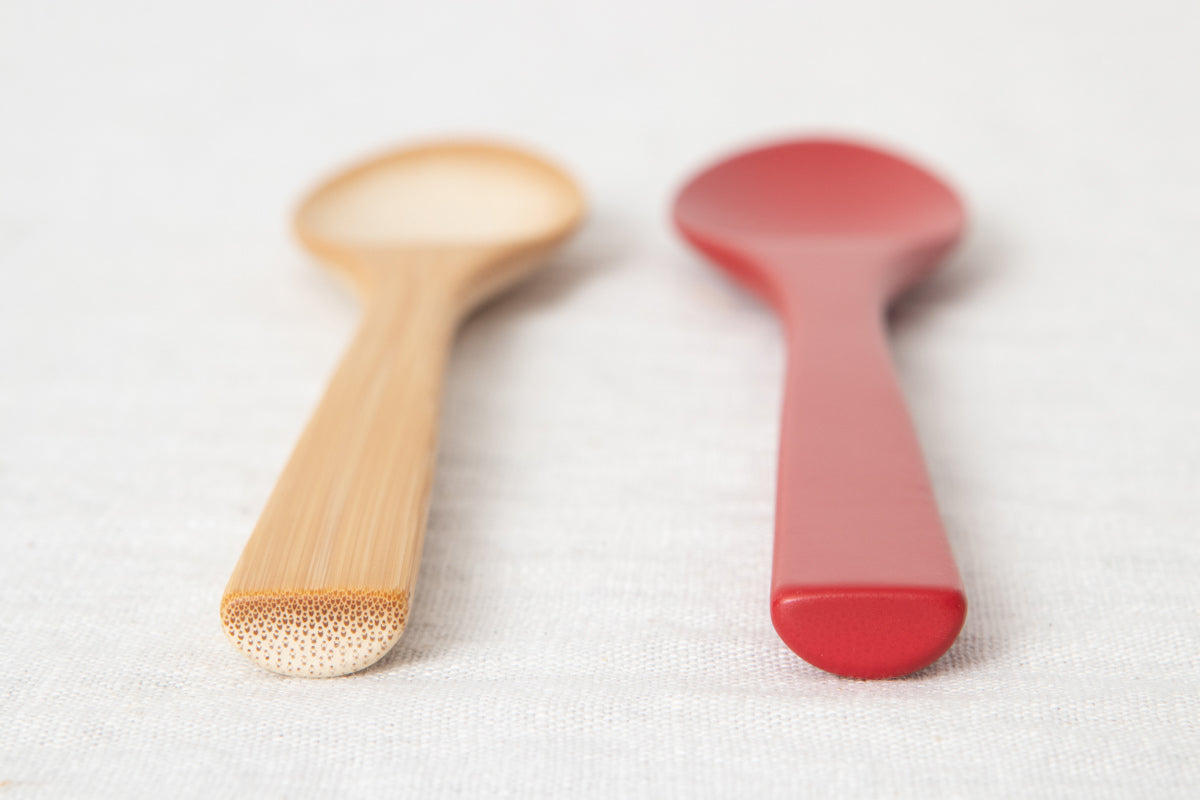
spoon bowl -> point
(830, 232)
(444, 198)
(819, 194)
(324, 584)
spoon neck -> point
(814, 299)
(451, 280)
(408, 305)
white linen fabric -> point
(591, 616)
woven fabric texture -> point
(591, 616)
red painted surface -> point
(830, 233)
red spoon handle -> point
(864, 582)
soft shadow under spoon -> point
(830, 233)
(323, 586)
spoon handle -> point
(864, 583)
(324, 583)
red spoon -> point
(864, 583)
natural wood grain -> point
(324, 583)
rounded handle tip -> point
(314, 633)
(868, 632)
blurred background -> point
(591, 616)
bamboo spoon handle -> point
(864, 583)
(324, 583)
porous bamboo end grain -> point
(315, 633)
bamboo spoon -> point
(324, 584)
(863, 584)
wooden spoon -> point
(830, 233)
(324, 584)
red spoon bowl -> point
(830, 233)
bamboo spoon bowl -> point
(425, 234)
(830, 233)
